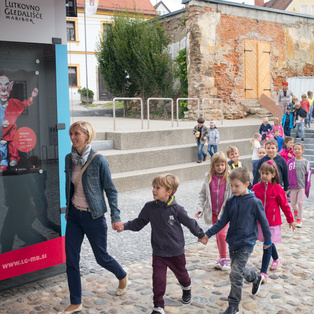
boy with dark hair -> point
(243, 210)
(200, 132)
(271, 148)
(166, 216)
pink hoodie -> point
(217, 189)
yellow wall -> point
(295, 6)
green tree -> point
(181, 72)
(134, 59)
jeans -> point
(310, 117)
(254, 163)
(299, 126)
(80, 223)
(200, 152)
(210, 146)
(238, 272)
(160, 265)
(287, 131)
(267, 254)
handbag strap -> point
(82, 171)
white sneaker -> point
(158, 310)
(219, 264)
(225, 264)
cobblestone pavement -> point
(288, 289)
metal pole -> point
(142, 115)
(172, 112)
(177, 112)
(114, 114)
(148, 113)
(87, 98)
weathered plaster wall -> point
(215, 34)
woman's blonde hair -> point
(218, 157)
(255, 137)
(87, 128)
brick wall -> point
(216, 34)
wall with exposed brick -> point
(216, 34)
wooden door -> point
(263, 69)
(257, 77)
(250, 69)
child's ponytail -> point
(255, 137)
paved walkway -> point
(288, 290)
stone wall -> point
(215, 37)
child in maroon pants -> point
(166, 216)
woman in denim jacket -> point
(85, 210)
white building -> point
(161, 8)
(99, 15)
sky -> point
(174, 5)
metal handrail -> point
(221, 108)
(126, 98)
(198, 106)
(152, 98)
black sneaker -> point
(302, 139)
(231, 310)
(204, 158)
(186, 296)
(257, 284)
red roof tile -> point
(143, 6)
(278, 4)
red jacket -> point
(273, 196)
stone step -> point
(100, 145)
(134, 180)
(125, 140)
(146, 158)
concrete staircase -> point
(137, 157)
(309, 145)
(253, 108)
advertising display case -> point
(34, 122)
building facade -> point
(237, 51)
(99, 16)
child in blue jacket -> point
(287, 121)
(243, 210)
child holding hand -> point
(166, 216)
(211, 201)
(273, 197)
(278, 126)
(243, 210)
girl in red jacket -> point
(270, 192)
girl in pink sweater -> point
(273, 197)
(287, 150)
(211, 201)
(278, 126)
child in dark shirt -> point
(166, 216)
(265, 128)
(243, 210)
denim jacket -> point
(95, 180)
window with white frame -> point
(312, 9)
(304, 9)
(72, 76)
(70, 31)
